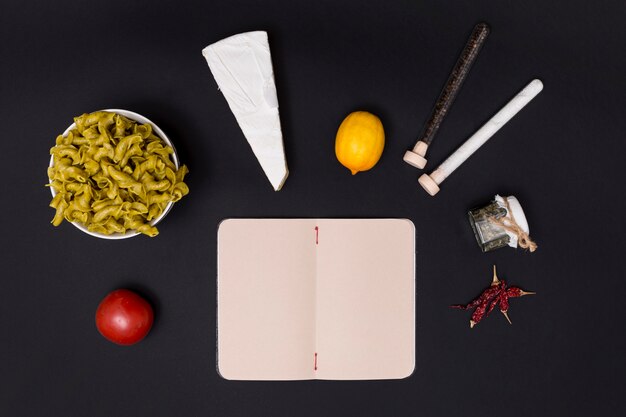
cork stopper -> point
(415, 157)
(429, 184)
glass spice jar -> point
(487, 223)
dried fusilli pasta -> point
(112, 175)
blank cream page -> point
(266, 300)
(365, 299)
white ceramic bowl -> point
(140, 119)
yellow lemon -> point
(360, 141)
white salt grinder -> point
(431, 182)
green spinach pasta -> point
(113, 175)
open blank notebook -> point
(316, 299)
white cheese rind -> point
(242, 68)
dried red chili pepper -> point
(478, 314)
(511, 292)
(504, 306)
(493, 305)
(496, 294)
(486, 295)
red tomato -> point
(123, 317)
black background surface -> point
(562, 156)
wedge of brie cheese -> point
(242, 67)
